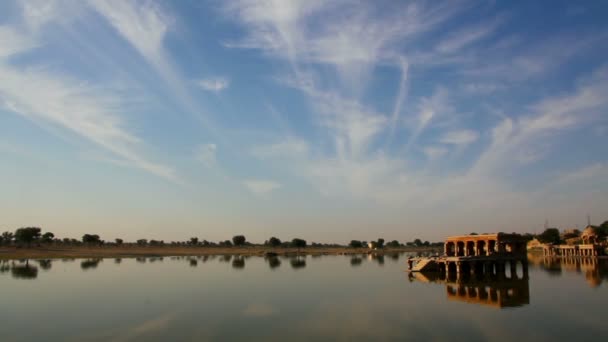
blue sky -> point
(326, 120)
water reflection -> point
(298, 262)
(238, 262)
(226, 258)
(26, 271)
(193, 262)
(490, 290)
(595, 270)
(4, 266)
(89, 264)
(117, 260)
(273, 262)
(379, 258)
(356, 261)
(45, 264)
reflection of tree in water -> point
(298, 262)
(238, 262)
(273, 262)
(26, 271)
(117, 260)
(4, 267)
(394, 256)
(378, 258)
(141, 260)
(89, 264)
(226, 258)
(193, 262)
(356, 261)
(45, 264)
(68, 260)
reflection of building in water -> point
(494, 291)
(594, 269)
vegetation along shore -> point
(30, 242)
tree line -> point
(33, 236)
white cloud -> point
(515, 140)
(597, 171)
(428, 109)
(13, 42)
(435, 152)
(141, 23)
(215, 84)
(464, 37)
(261, 186)
(207, 154)
(63, 102)
(461, 138)
(288, 148)
(352, 41)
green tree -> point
(48, 237)
(417, 242)
(274, 242)
(142, 242)
(27, 235)
(119, 242)
(355, 244)
(91, 239)
(393, 244)
(380, 243)
(298, 243)
(550, 235)
(193, 241)
(8, 237)
(239, 240)
(602, 229)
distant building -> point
(534, 244)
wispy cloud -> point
(261, 186)
(467, 36)
(215, 84)
(66, 103)
(460, 138)
(288, 148)
(435, 152)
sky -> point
(324, 120)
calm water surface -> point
(311, 298)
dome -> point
(589, 231)
(589, 235)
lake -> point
(305, 298)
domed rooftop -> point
(590, 230)
(589, 235)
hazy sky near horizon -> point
(326, 120)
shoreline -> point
(64, 252)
